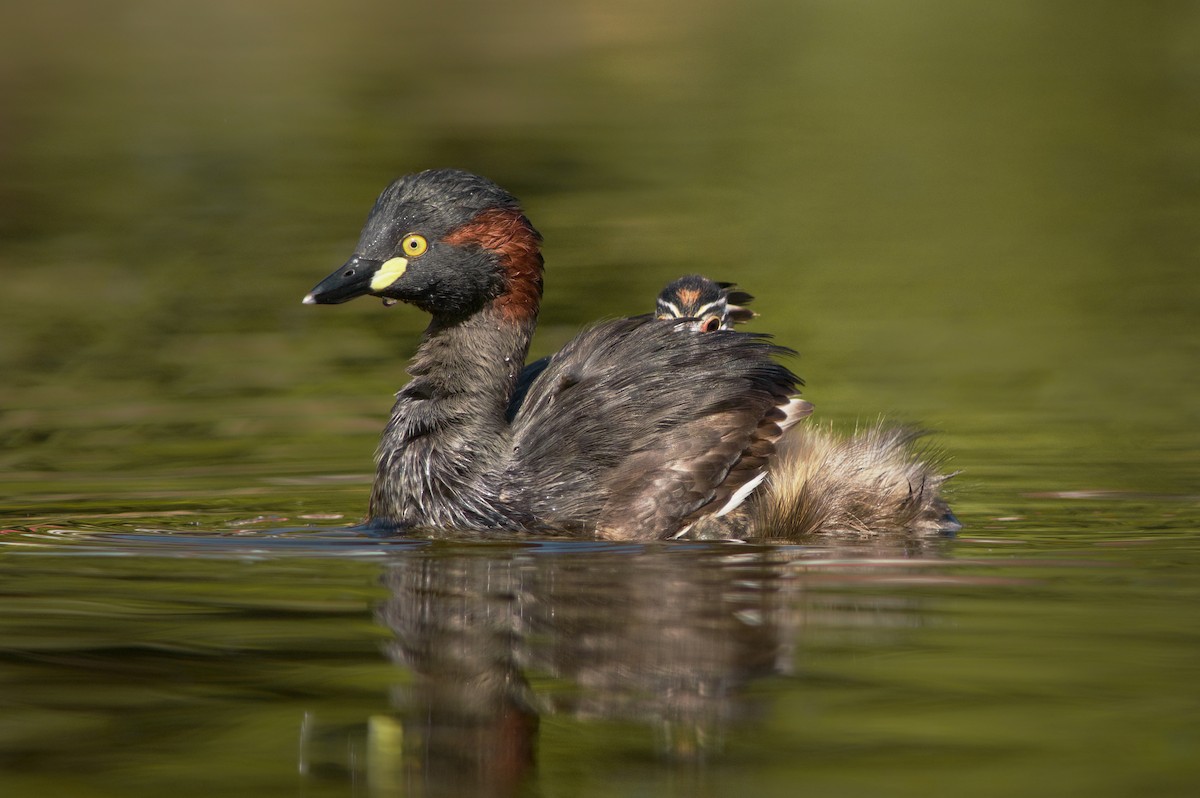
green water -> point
(981, 217)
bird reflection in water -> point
(665, 638)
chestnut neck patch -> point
(506, 232)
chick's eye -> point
(413, 245)
(711, 324)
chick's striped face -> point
(711, 315)
(413, 245)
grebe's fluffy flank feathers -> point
(877, 480)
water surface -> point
(978, 218)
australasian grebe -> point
(878, 479)
(604, 442)
(597, 439)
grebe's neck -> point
(448, 434)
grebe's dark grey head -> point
(447, 241)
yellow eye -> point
(413, 245)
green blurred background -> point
(977, 216)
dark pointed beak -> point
(351, 280)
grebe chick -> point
(876, 480)
(603, 443)
(712, 305)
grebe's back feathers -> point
(606, 433)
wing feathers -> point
(659, 426)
